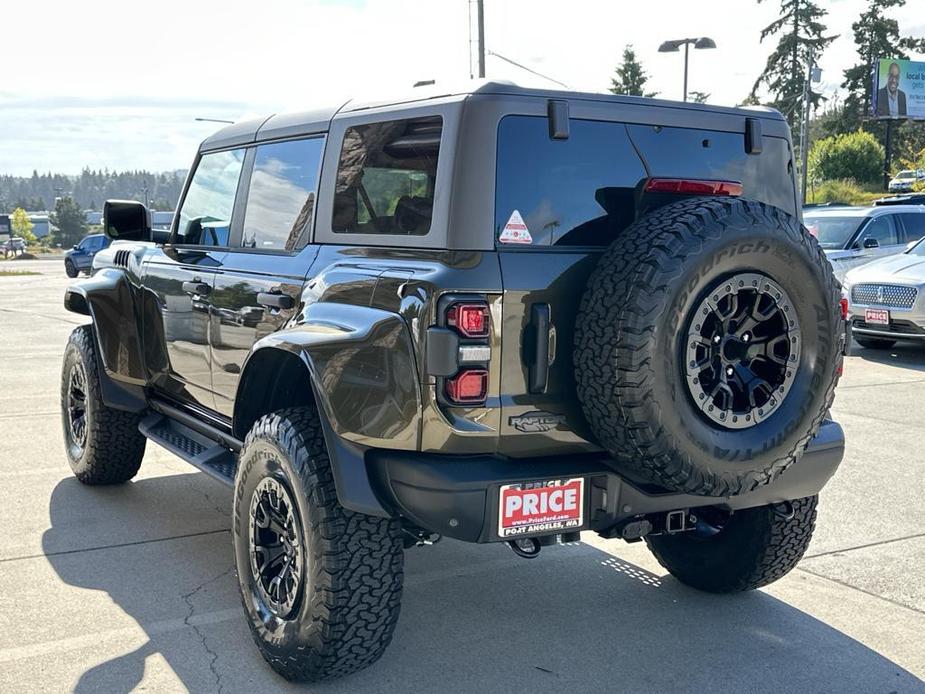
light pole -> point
(674, 46)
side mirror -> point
(871, 243)
(126, 220)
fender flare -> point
(364, 380)
(108, 299)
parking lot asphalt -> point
(110, 589)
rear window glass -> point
(577, 191)
(386, 177)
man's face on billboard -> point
(892, 80)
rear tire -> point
(338, 587)
(755, 547)
(70, 269)
(103, 445)
(874, 343)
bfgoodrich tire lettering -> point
(350, 591)
(631, 337)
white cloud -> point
(109, 83)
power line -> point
(524, 67)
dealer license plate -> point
(551, 506)
(876, 316)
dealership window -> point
(576, 191)
(281, 198)
(205, 218)
(386, 177)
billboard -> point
(899, 89)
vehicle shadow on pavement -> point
(901, 355)
(474, 618)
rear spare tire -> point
(708, 344)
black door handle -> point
(197, 288)
(275, 300)
(539, 350)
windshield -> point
(918, 249)
(906, 174)
(832, 232)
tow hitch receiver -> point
(676, 522)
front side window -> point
(386, 177)
(915, 225)
(882, 229)
(281, 199)
(205, 218)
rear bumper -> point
(457, 496)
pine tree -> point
(875, 36)
(801, 34)
(631, 78)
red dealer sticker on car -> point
(541, 507)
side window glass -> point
(386, 177)
(915, 226)
(882, 229)
(205, 218)
(281, 199)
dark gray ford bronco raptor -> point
(496, 315)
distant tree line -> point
(90, 189)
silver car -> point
(886, 299)
(853, 236)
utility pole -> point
(686, 50)
(887, 155)
(813, 74)
(480, 18)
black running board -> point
(198, 450)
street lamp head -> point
(669, 47)
(705, 42)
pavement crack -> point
(845, 584)
(865, 546)
(188, 599)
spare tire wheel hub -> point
(742, 351)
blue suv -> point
(80, 257)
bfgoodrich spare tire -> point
(708, 344)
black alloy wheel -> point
(276, 547)
(77, 408)
(743, 344)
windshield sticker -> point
(515, 231)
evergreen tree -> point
(698, 97)
(801, 34)
(875, 36)
(70, 220)
(631, 78)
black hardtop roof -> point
(317, 120)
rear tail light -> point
(689, 186)
(467, 387)
(843, 302)
(469, 319)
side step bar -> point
(199, 450)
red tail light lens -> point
(467, 387)
(843, 302)
(470, 320)
(687, 186)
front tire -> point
(103, 445)
(70, 269)
(321, 585)
(753, 548)
(874, 343)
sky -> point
(105, 83)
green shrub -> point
(856, 156)
(844, 191)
